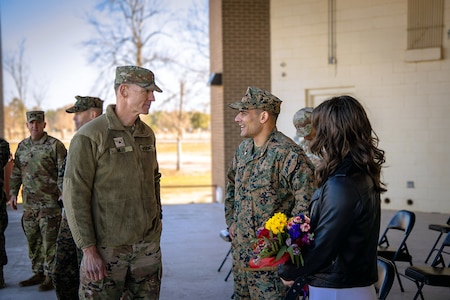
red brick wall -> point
(240, 50)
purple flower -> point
(295, 249)
(295, 232)
(295, 236)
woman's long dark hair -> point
(342, 128)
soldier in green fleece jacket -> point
(112, 195)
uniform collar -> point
(114, 123)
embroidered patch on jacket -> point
(119, 142)
(147, 147)
(121, 149)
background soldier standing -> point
(269, 173)
(37, 162)
(304, 131)
(4, 158)
(66, 275)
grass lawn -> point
(172, 177)
(191, 184)
(184, 186)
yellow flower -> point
(277, 223)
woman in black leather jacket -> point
(345, 209)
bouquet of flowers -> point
(281, 239)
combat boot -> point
(2, 279)
(33, 280)
(47, 285)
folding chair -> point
(226, 237)
(403, 220)
(442, 228)
(431, 275)
(386, 276)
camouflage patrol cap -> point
(302, 121)
(35, 115)
(84, 103)
(257, 98)
(136, 75)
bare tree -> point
(14, 64)
(192, 60)
(127, 32)
(192, 64)
(16, 120)
(39, 95)
(197, 25)
(19, 71)
(130, 32)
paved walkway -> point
(192, 252)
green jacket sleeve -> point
(78, 181)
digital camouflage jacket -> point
(36, 168)
(277, 178)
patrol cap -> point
(257, 98)
(35, 115)
(302, 121)
(84, 103)
(136, 75)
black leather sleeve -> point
(331, 218)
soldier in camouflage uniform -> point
(112, 195)
(66, 275)
(4, 158)
(269, 173)
(302, 123)
(37, 162)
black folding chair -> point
(403, 220)
(441, 228)
(435, 275)
(386, 276)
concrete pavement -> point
(192, 252)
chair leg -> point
(434, 247)
(398, 277)
(229, 273)
(419, 291)
(224, 260)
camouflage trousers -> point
(134, 272)
(66, 275)
(250, 283)
(41, 226)
(255, 285)
(3, 225)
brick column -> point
(240, 51)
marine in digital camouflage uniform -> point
(36, 164)
(66, 275)
(112, 195)
(304, 130)
(269, 173)
(4, 158)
